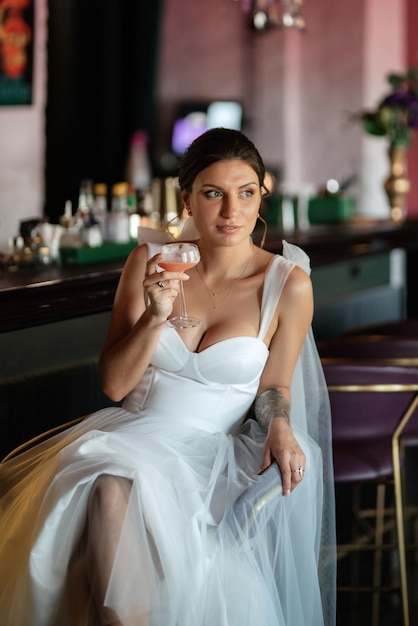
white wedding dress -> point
(196, 549)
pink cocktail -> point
(179, 257)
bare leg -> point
(91, 567)
(107, 506)
(81, 609)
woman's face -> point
(224, 201)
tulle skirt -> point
(204, 543)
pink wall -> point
(22, 139)
(299, 89)
(412, 53)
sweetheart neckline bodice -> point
(221, 342)
(227, 371)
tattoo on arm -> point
(269, 404)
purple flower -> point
(397, 113)
(413, 114)
(399, 98)
(406, 103)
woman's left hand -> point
(282, 447)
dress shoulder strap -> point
(276, 275)
(153, 248)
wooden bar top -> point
(31, 297)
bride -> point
(150, 514)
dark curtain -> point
(102, 59)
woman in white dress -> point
(178, 509)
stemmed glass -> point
(179, 257)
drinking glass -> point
(179, 257)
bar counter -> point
(31, 297)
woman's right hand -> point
(162, 288)
(136, 322)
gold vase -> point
(397, 185)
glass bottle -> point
(118, 218)
(100, 207)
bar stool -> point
(371, 406)
(397, 349)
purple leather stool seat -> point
(397, 350)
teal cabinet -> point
(358, 291)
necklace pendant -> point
(213, 294)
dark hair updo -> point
(218, 144)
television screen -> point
(193, 119)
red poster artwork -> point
(16, 51)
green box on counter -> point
(331, 209)
(101, 254)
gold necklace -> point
(212, 294)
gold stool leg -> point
(355, 532)
(400, 526)
(378, 551)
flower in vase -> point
(396, 116)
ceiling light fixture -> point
(267, 14)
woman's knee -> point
(109, 494)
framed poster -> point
(16, 51)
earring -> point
(263, 238)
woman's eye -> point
(213, 193)
(247, 193)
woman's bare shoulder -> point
(139, 254)
(133, 271)
(298, 278)
(136, 260)
(298, 286)
(297, 294)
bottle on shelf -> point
(91, 233)
(118, 218)
(100, 207)
(89, 227)
(85, 195)
(70, 237)
(85, 202)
